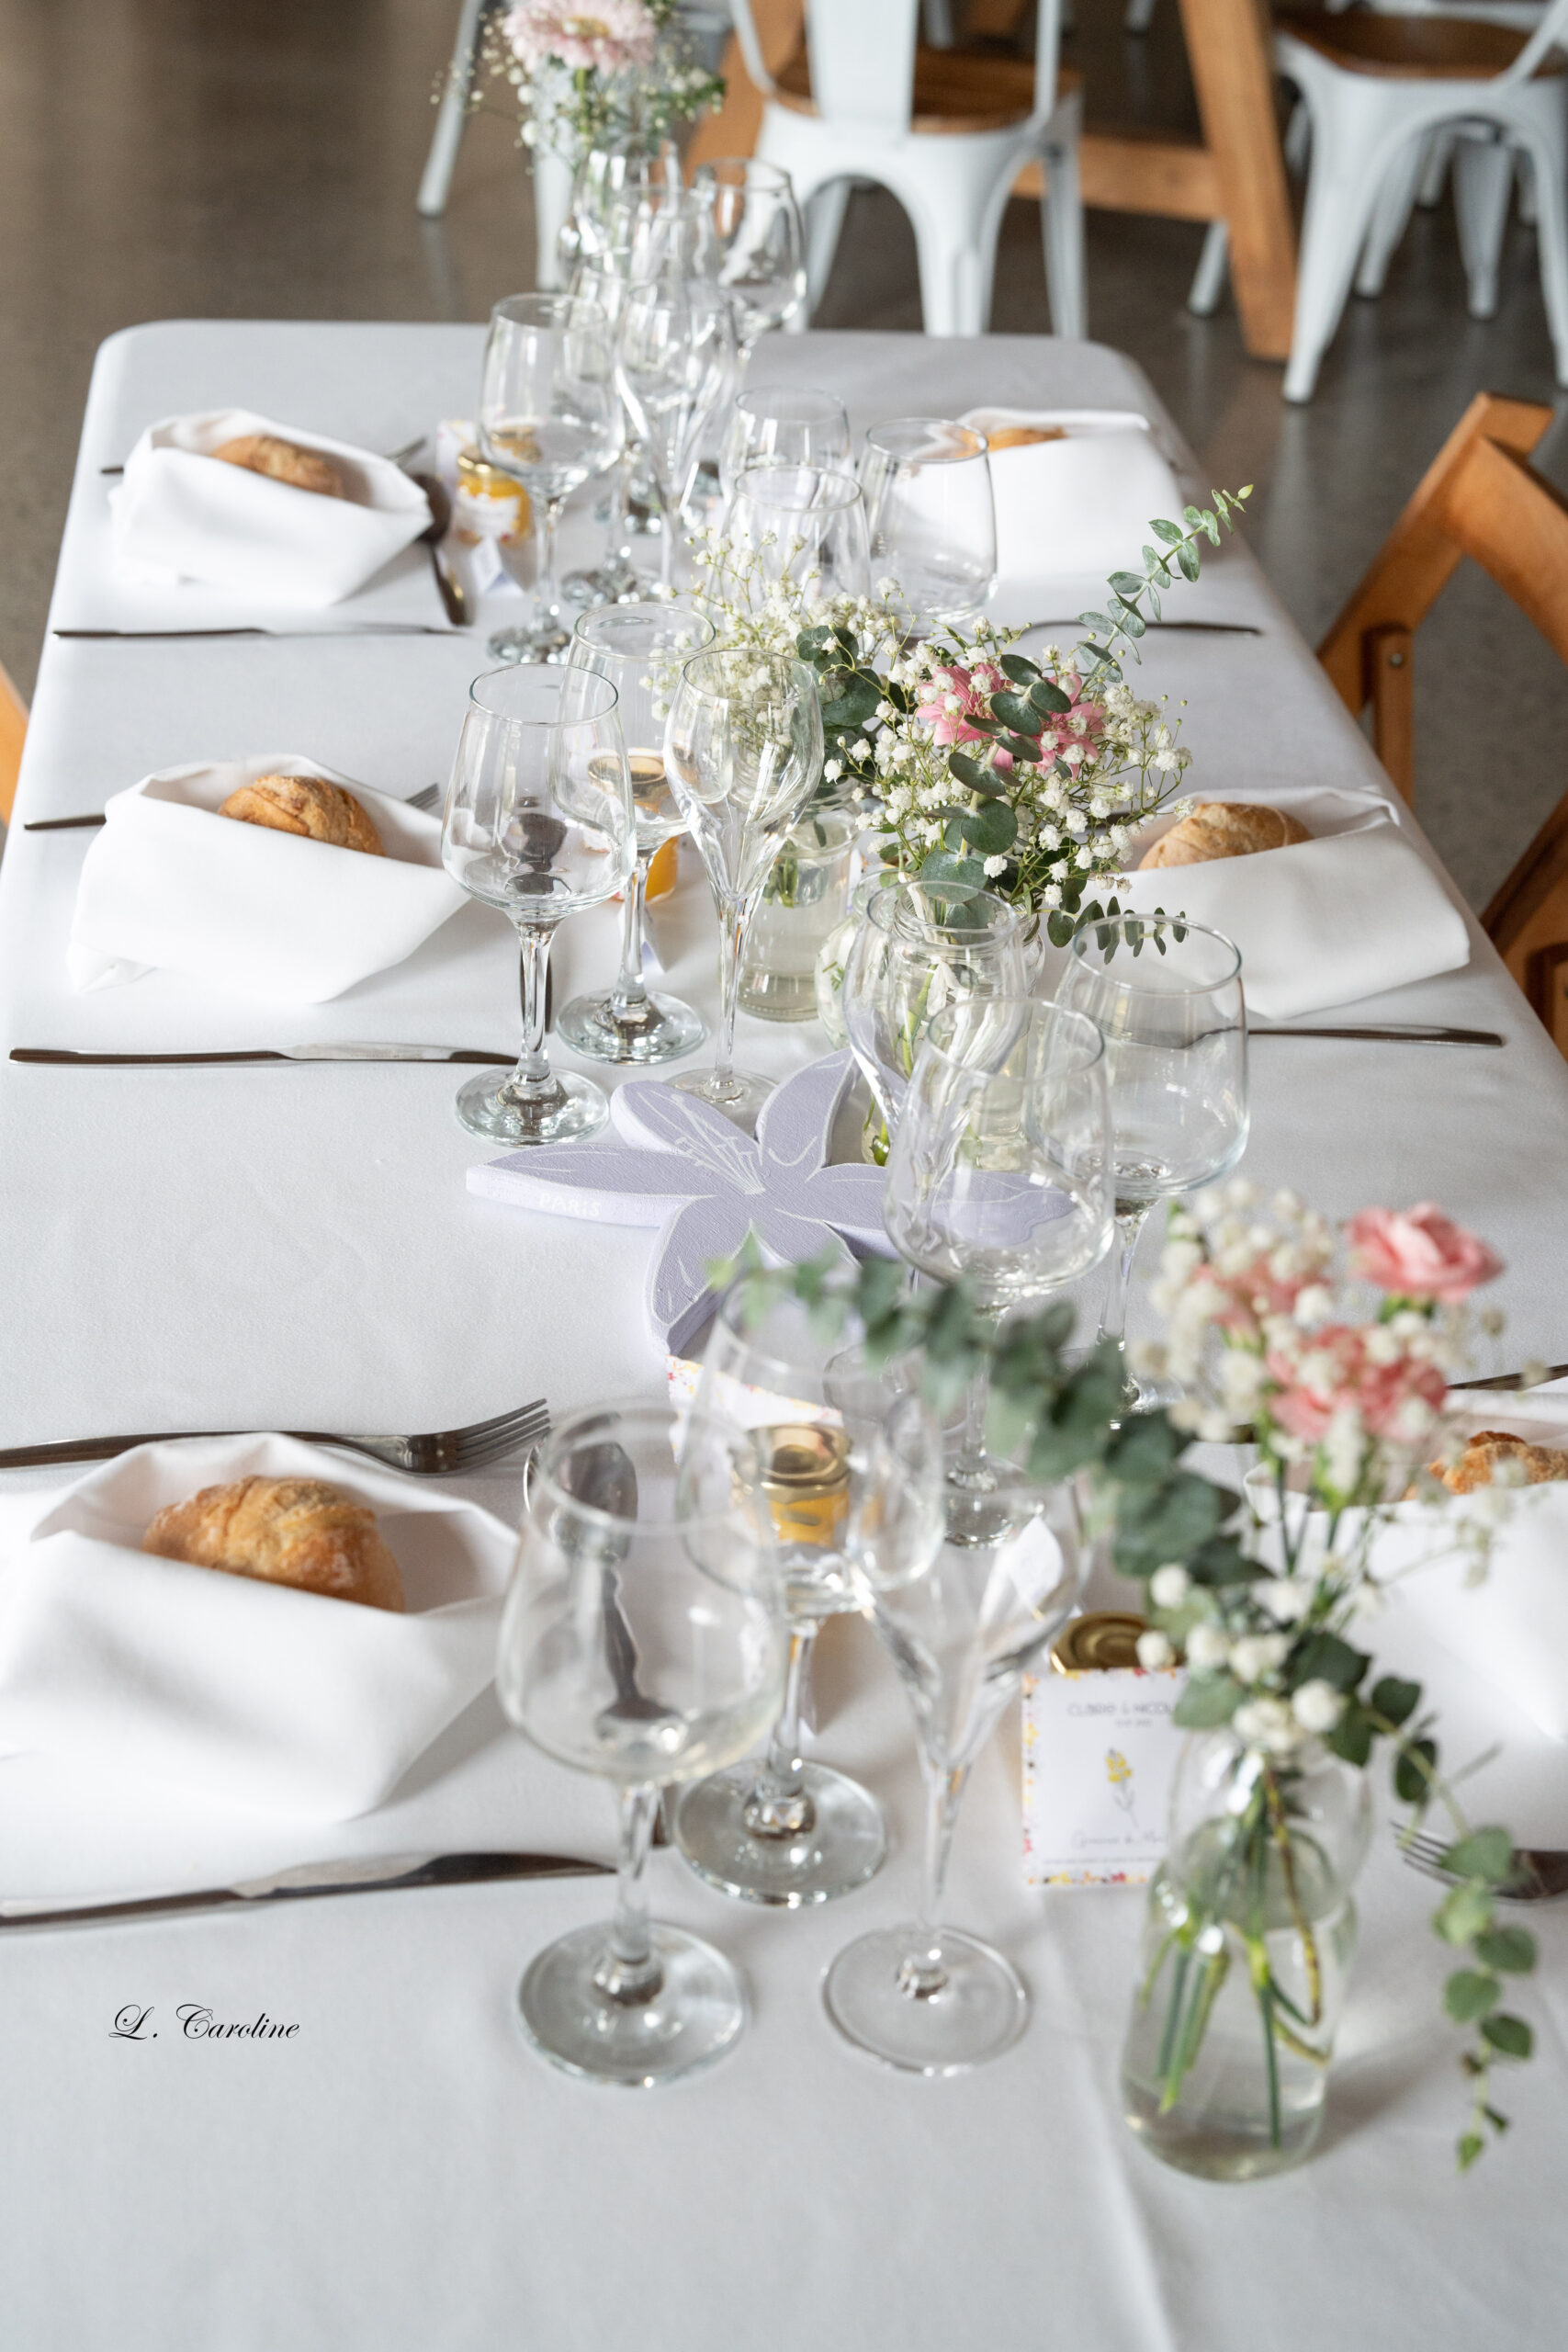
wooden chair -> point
(1479, 497)
(13, 726)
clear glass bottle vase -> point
(1247, 1942)
(804, 901)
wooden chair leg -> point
(1390, 690)
(13, 727)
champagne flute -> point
(547, 414)
(602, 277)
(640, 647)
(798, 427)
(932, 519)
(1168, 995)
(674, 367)
(760, 256)
(539, 822)
(803, 525)
(641, 1641)
(743, 752)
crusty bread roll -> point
(306, 805)
(1540, 1463)
(1023, 436)
(1224, 829)
(283, 1530)
(264, 453)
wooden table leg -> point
(1230, 48)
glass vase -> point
(1247, 1942)
(804, 901)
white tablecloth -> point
(216, 1248)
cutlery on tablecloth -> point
(59, 1056)
(1411, 1033)
(1541, 1872)
(454, 598)
(375, 1875)
(424, 799)
(1194, 628)
(472, 1447)
(354, 628)
(1513, 1380)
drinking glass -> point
(743, 751)
(802, 524)
(999, 1176)
(961, 1622)
(607, 187)
(916, 952)
(760, 243)
(801, 427)
(547, 414)
(1167, 996)
(642, 1640)
(640, 647)
(932, 519)
(602, 277)
(674, 367)
(539, 822)
(788, 1832)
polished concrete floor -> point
(258, 158)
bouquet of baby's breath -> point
(592, 77)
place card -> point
(1100, 1751)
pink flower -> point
(1420, 1253)
(973, 690)
(1335, 1374)
(608, 35)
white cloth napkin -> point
(179, 513)
(254, 1695)
(169, 884)
(1080, 504)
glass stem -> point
(546, 595)
(629, 1971)
(533, 1080)
(617, 537)
(734, 916)
(778, 1807)
(1113, 1315)
(668, 510)
(628, 998)
(973, 1467)
(921, 1971)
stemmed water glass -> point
(760, 243)
(743, 751)
(641, 1641)
(640, 647)
(547, 414)
(539, 823)
(798, 426)
(932, 519)
(674, 367)
(607, 187)
(961, 1622)
(1167, 996)
(803, 525)
(998, 1177)
(602, 277)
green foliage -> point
(1512, 1950)
(1487, 1854)
(1470, 1993)
(1395, 1700)
(1511, 2038)
(1208, 1701)
(1324, 1657)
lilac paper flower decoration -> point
(682, 1165)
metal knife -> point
(374, 1874)
(1193, 628)
(1511, 1379)
(1413, 1033)
(354, 628)
(60, 1056)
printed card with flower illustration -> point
(1099, 1750)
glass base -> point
(697, 2014)
(1219, 2147)
(606, 583)
(663, 1030)
(977, 2013)
(572, 1106)
(976, 1516)
(739, 1096)
(543, 640)
(844, 1844)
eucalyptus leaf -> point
(1470, 1994)
(1510, 2036)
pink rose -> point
(1420, 1253)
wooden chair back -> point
(1479, 497)
(13, 727)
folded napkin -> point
(180, 515)
(1080, 504)
(170, 883)
(252, 1694)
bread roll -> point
(283, 1530)
(1487, 1448)
(1024, 436)
(264, 453)
(1224, 829)
(307, 805)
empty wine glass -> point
(1166, 994)
(795, 426)
(918, 950)
(760, 244)
(547, 414)
(640, 649)
(674, 368)
(539, 823)
(641, 1641)
(607, 187)
(803, 524)
(998, 1177)
(961, 1622)
(932, 519)
(743, 751)
(602, 277)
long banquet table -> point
(214, 1247)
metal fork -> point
(1539, 1871)
(428, 1455)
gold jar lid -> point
(1104, 1638)
(647, 769)
(801, 1459)
(481, 480)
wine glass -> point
(916, 951)
(932, 519)
(606, 188)
(547, 414)
(961, 1622)
(602, 277)
(999, 1176)
(760, 243)
(674, 366)
(788, 1832)
(1167, 996)
(798, 427)
(803, 524)
(539, 822)
(640, 647)
(743, 751)
(642, 1641)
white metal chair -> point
(945, 131)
